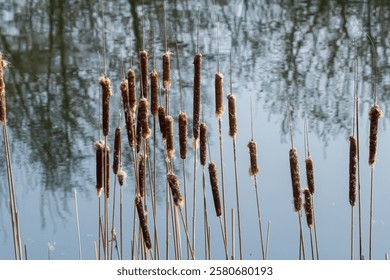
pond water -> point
(300, 52)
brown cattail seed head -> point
(308, 207)
(144, 73)
(154, 92)
(138, 133)
(167, 70)
(161, 121)
(203, 144)
(375, 114)
(106, 160)
(3, 109)
(295, 179)
(183, 121)
(310, 174)
(219, 109)
(128, 114)
(121, 177)
(232, 115)
(99, 148)
(125, 96)
(143, 116)
(143, 222)
(214, 188)
(196, 104)
(253, 169)
(106, 88)
(141, 175)
(174, 184)
(132, 90)
(169, 135)
(117, 149)
(352, 170)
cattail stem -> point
(78, 225)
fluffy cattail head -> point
(197, 88)
(125, 95)
(352, 170)
(3, 109)
(167, 70)
(203, 144)
(232, 115)
(308, 205)
(161, 121)
(375, 114)
(253, 169)
(121, 177)
(144, 73)
(169, 135)
(99, 148)
(132, 90)
(106, 89)
(154, 92)
(183, 121)
(214, 188)
(219, 109)
(143, 222)
(141, 175)
(310, 174)
(143, 116)
(130, 128)
(174, 185)
(117, 149)
(295, 179)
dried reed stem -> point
(169, 135)
(183, 121)
(143, 222)
(106, 89)
(144, 73)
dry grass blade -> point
(117, 149)
(143, 222)
(106, 89)
(352, 170)
(197, 92)
(375, 114)
(169, 137)
(232, 115)
(132, 90)
(219, 109)
(144, 73)
(310, 174)
(203, 144)
(154, 92)
(183, 121)
(214, 188)
(253, 169)
(295, 179)
(174, 185)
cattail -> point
(232, 115)
(154, 92)
(143, 117)
(3, 109)
(132, 90)
(174, 184)
(197, 85)
(214, 188)
(183, 121)
(295, 179)
(167, 70)
(99, 148)
(308, 205)
(144, 73)
(375, 114)
(106, 160)
(219, 95)
(106, 88)
(161, 120)
(352, 170)
(121, 177)
(117, 149)
(125, 96)
(141, 175)
(128, 114)
(143, 222)
(203, 144)
(253, 169)
(169, 135)
(310, 174)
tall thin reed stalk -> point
(77, 224)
